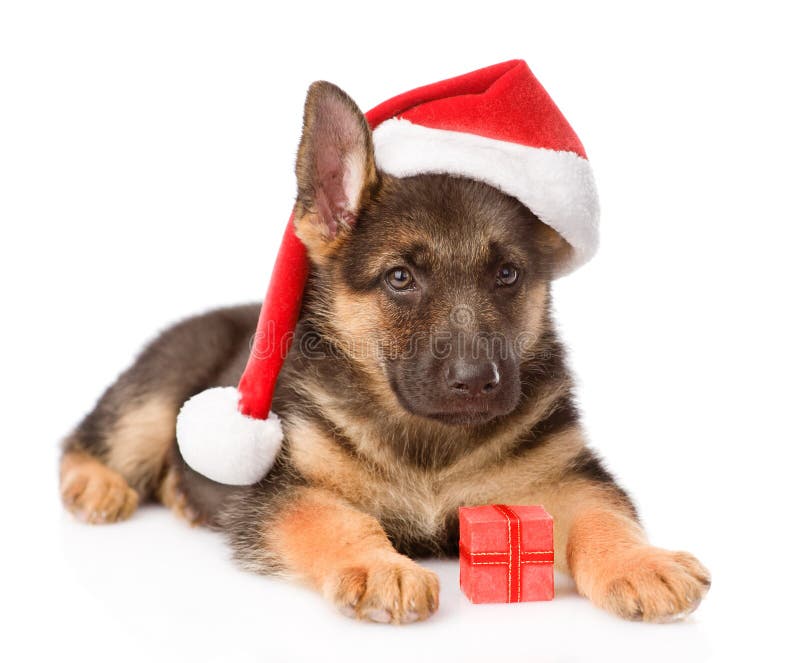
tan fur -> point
(535, 304)
(93, 492)
(596, 536)
(140, 440)
(353, 318)
(615, 567)
(320, 247)
(345, 554)
(422, 497)
(171, 495)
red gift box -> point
(506, 553)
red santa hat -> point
(497, 125)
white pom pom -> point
(217, 440)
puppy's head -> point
(436, 286)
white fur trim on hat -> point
(557, 186)
(217, 440)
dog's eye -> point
(507, 275)
(399, 278)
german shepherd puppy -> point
(426, 374)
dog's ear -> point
(335, 168)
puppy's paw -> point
(652, 584)
(95, 493)
(172, 496)
(395, 590)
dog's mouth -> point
(462, 418)
(466, 412)
(422, 400)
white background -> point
(146, 160)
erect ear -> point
(335, 167)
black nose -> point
(472, 378)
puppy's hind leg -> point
(121, 453)
(172, 495)
(104, 478)
(94, 492)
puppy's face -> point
(435, 285)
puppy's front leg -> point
(345, 554)
(613, 564)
